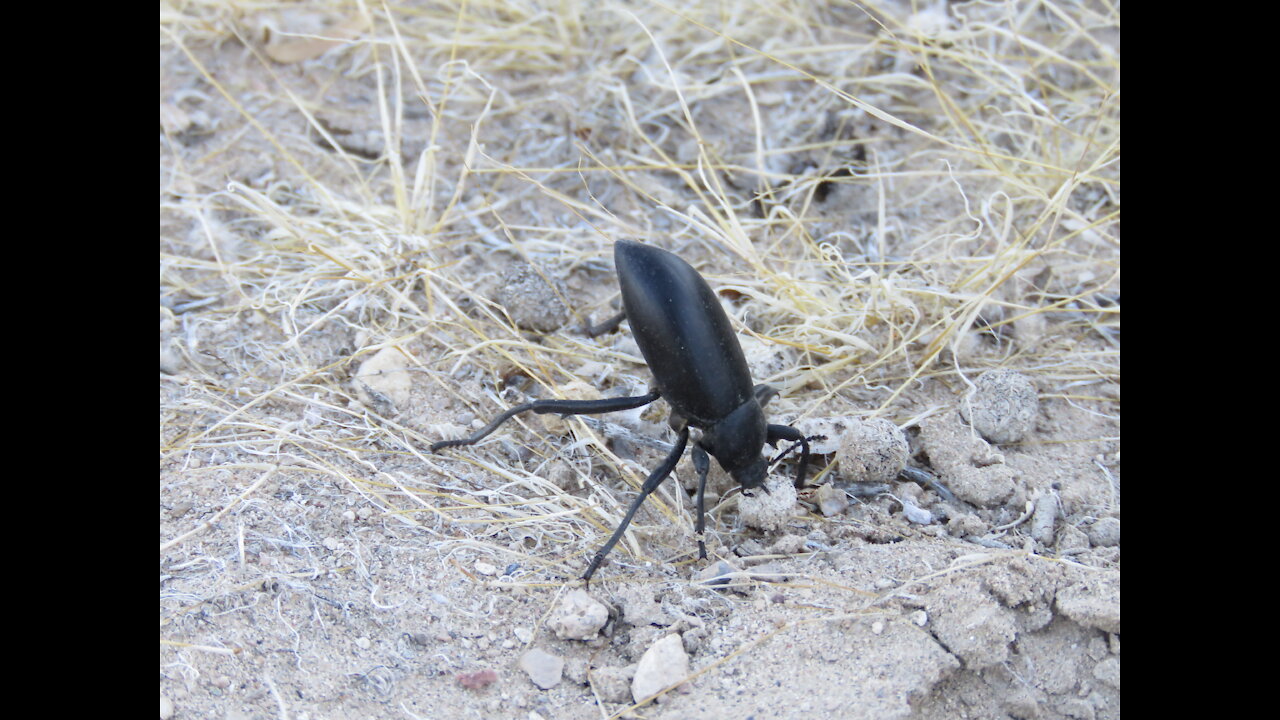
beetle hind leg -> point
(654, 480)
(607, 326)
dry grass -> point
(900, 197)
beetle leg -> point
(764, 393)
(701, 463)
(562, 407)
(786, 432)
(607, 326)
(655, 479)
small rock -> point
(717, 573)
(1043, 518)
(1105, 532)
(1094, 602)
(1072, 538)
(614, 683)
(477, 680)
(914, 513)
(170, 359)
(166, 708)
(769, 572)
(639, 607)
(966, 524)
(788, 544)
(872, 451)
(1022, 703)
(543, 668)
(831, 501)
(485, 568)
(694, 638)
(578, 616)
(383, 383)
(665, 663)
(1003, 405)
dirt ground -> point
(382, 226)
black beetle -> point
(697, 365)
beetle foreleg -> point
(786, 432)
(561, 407)
(654, 480)
(702, 464)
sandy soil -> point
(342, 225)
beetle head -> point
(752, 476)
(736, 442)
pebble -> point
(485, 568)
(915, 513)
(170, 359)
(831, 501)
(1072, 538)
(383, 383)
(717, 573)
(543, 668)
(640, 607)
(1044, 518)
(614, 683)
(1105, 532)
(663, 664)
(578, 616)
(477, 680)
(1108, 671)
(1094, 604)
(166, 708)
